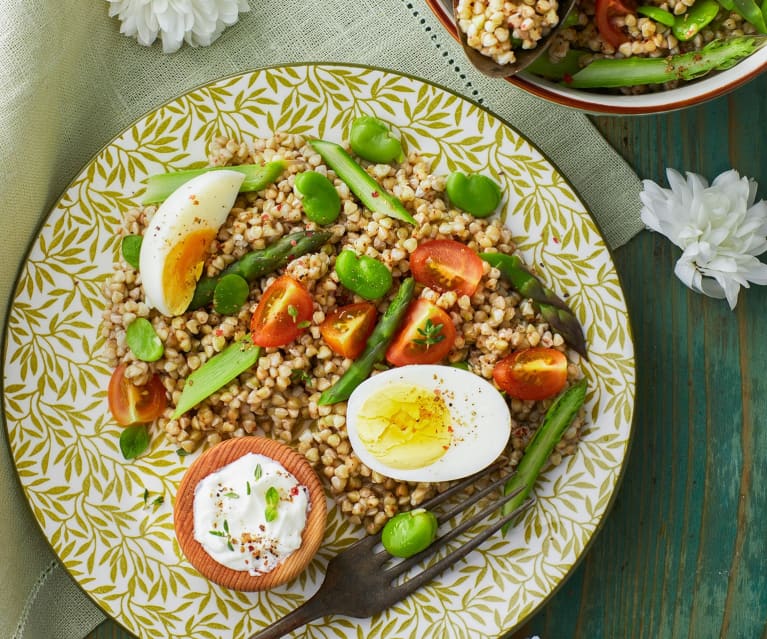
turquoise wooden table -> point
(683, 553)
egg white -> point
(180, 232)
(480, 416)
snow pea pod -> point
(363, 275)
(475, 194)
(372, 140)
(321, 201)
(687, 25)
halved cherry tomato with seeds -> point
(447, 265)
(283, 312)
(347, 329)
(532, 373)
(605, 11)
(131, 404)
(426, 336)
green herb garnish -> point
(432, 334)
(247, 487)
(231, 495)
(181, 452)
(272, 501)
(258, 472)
(293, 312)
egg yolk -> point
(405, 427)
(183, 267)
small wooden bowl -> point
(225, 453)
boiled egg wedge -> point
(425, 423)
(178, 237)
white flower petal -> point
(720, 229)
(197, 22)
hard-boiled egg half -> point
(427, 423)
(178, 237)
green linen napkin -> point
(69, 82)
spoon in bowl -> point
(523, 57)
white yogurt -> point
(244, 525)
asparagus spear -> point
(257, 177)
(553, 309)
(557, 420)
(370, 193)
(621, 72)
(217, 372)
(258, 263)
(375, 349)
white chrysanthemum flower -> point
(196, 22)
(719, 228)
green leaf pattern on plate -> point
(89, 501)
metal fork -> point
(357, 582)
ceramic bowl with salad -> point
(627, 56)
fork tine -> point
(476, 496)
(457, 554)
(461, 485)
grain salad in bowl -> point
(626, 56)
(329, 269)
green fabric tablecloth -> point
(69, 82)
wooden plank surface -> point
(683, 553)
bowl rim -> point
(705, 89)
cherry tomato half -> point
(347, 329)
(532, 373)
(131, 404)
(605, 11)
(446, 265)
(284, 310)
(426, 336)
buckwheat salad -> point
(287, 393)
(622, 45)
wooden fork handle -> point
(311, 609)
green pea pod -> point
(656, 13)
(687, 25)
(475, 194)
(143, 341)
(131, 249)
(372, 140)
(752, 13)
(363, 275)
(321, 201)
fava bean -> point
(321, 201)
(230, 294)
(372, 140)
(407, 534)
(363, 275)
(659, 15)
(475, 194)
(687, 25)
(143, 341)
(131, 249)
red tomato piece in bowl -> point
(447, 265)
(426, 336)
(131, 404)
(532, 373)
(283, 312)
(347, 329)
(605, 11)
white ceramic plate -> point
(110, 520)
